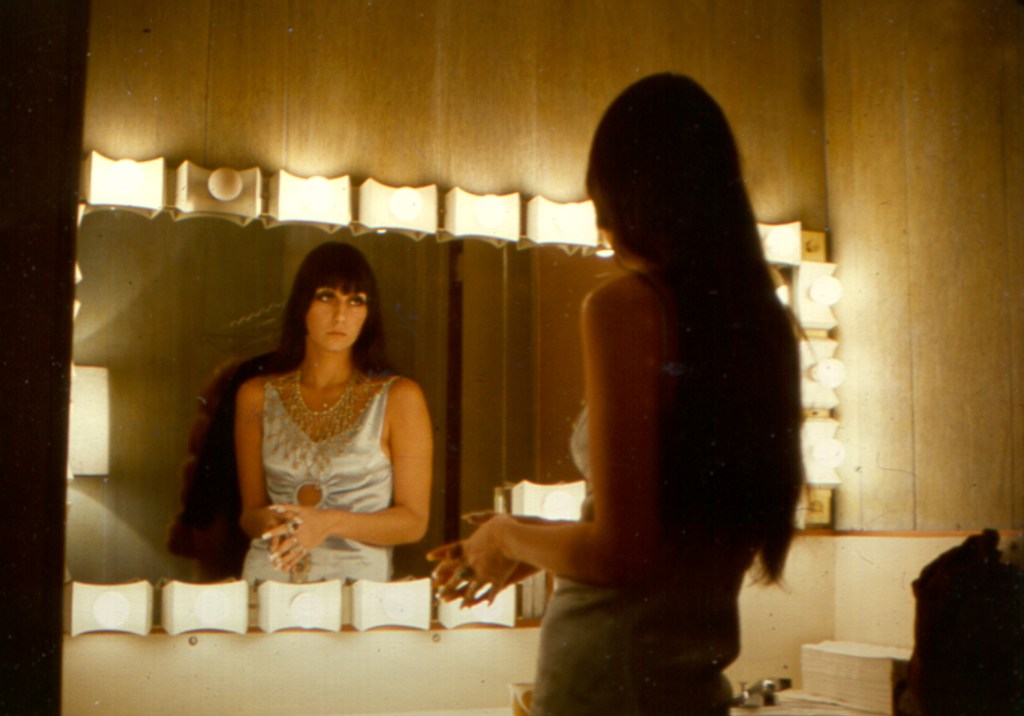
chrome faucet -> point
(760, 693)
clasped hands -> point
(476, 569)
(292, 535)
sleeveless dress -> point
(606, 650)
(350, 471)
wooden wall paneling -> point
(363, 90)
(146, 86)
(867, 195)
(957, 233)
(766, 73)
(1011, 23)
(247, 52)
(487, 78)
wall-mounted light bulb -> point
(211, 608)
(829, 453)
(111, 610)
(405, 204)
(830, 373)
(225, 184)
(826, 290)
(490, 212)
(307, 610)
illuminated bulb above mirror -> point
(123, 184)
(407, 210)
(316, 201)
(572, 224)
(782, 243)
(489, 217)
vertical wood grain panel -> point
(957, 238)
(363, 90)
(487, 78)
(766, 73)
(867, 196)
(146, 87)
(1010, 19)
(247, 91)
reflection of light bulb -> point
(830, 373)
(490, 212)
(211, 607)
(111, 610)
(571, 218)
(560, 505)
(316, 194)
(393, 605)
(826, 290)
(828, 453)
(126, 176)
(224, 184)
(307, 610)
(405, 204)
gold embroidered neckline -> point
(320, 425)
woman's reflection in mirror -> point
(332, 449)
(690, 441)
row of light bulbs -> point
(809, 287)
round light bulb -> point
(307, 610)
(826, 290)
(490, 212)
(316, 194)
(111, 610)
(405, 204)
(126, 177)
(224, 184)
(830, 373)
(211, 607)
(828, 453)
(782, 243)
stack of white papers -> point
(860, 675)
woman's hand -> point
(299, 530)
(477, 569)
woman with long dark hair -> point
(690, 438)
(333, 451)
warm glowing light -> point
(573, 224)
(826, 290)
(123, 183)
(405, 204)
(782, 243)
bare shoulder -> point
(403, 391)
(624, 299)
(251, 392)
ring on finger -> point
(464, 574)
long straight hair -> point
(664, 174)
(343, 267)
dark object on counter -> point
(968, 657)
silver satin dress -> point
(351, 472)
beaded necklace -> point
(320, 425)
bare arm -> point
(256, 517)
(621, 325)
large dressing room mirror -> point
(164, 303)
